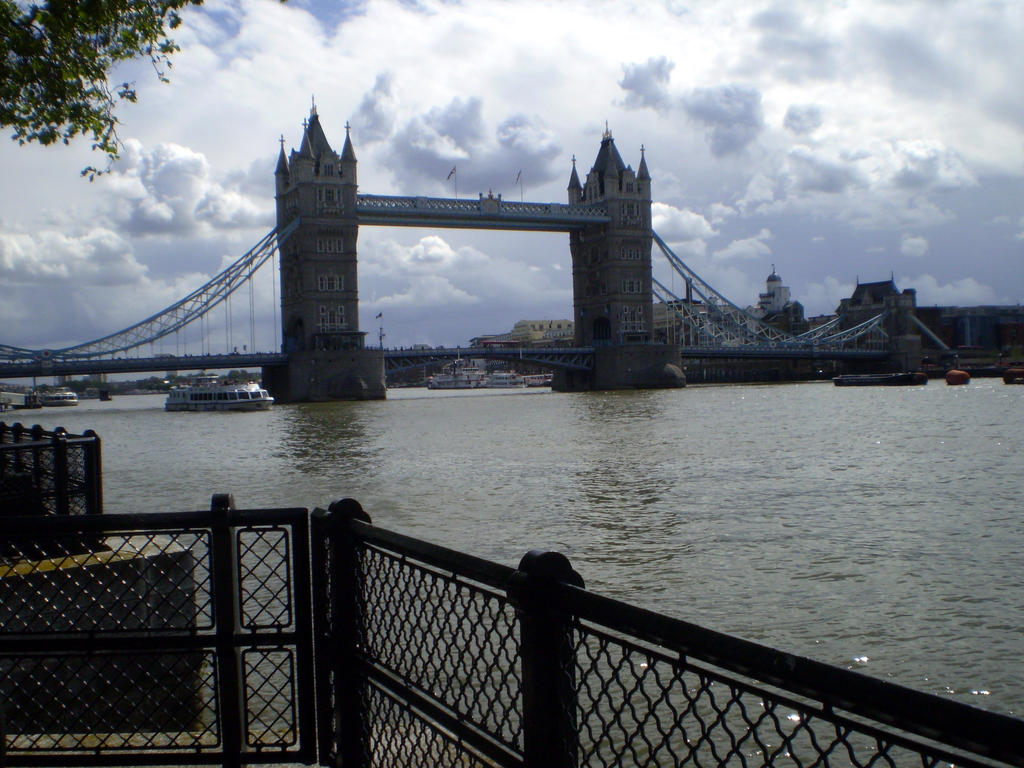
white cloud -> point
(720, 212)
(822, 298)
(760, 190)
(731, 113)
(914, 247)
(812, 172)
(427, 291)
(646, 84)
(169, 190)
(963, 292)
(803, 119)
(746, 248)
(929, 164)
(674, 224)
(97, 257)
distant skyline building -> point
(532, 333)
(776, 307)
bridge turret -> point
(612, 262)
(319, 279)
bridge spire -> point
(282, 161)
(575, 188)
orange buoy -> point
(1014, 375)
(956, 376)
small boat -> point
(538, 379)
(58, 398)
(505, 380)
(1014, 375)
(205, 393)
(881, 379)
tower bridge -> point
(607, 216)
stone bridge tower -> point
(327, 358)
(611, 268)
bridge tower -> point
(327, 358)
(611, 268)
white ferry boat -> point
(458, 378)
(505, 380)
(206, 394)
(58, 398)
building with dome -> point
(776, 307)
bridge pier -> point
(626, 366)
(355, 374)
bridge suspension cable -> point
(175, 317)
(715, 321)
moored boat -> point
(58, 398)
(458, 377)
(1014, 375)
(880, 379)
(505, 380)
(205, 393)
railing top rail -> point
(484, 571)
(29, 436)
(961, 725)
(30, 525)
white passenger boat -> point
(206, 394)
(58, 398)
(458, 378)
(505, 380)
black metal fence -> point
(438, 658)
(187, 640)
(272, 636)
(49, 473)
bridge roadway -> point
(782, 351)
(84, 367)
(395, 360)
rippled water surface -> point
(874, 528)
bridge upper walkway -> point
(485, 213)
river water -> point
(877, 529)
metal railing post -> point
(61, 499)
(93, 473)
(550, 738)
(341, 634)
(225, 592)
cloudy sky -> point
(836, 140)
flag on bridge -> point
(450, 173)
(380, 315)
